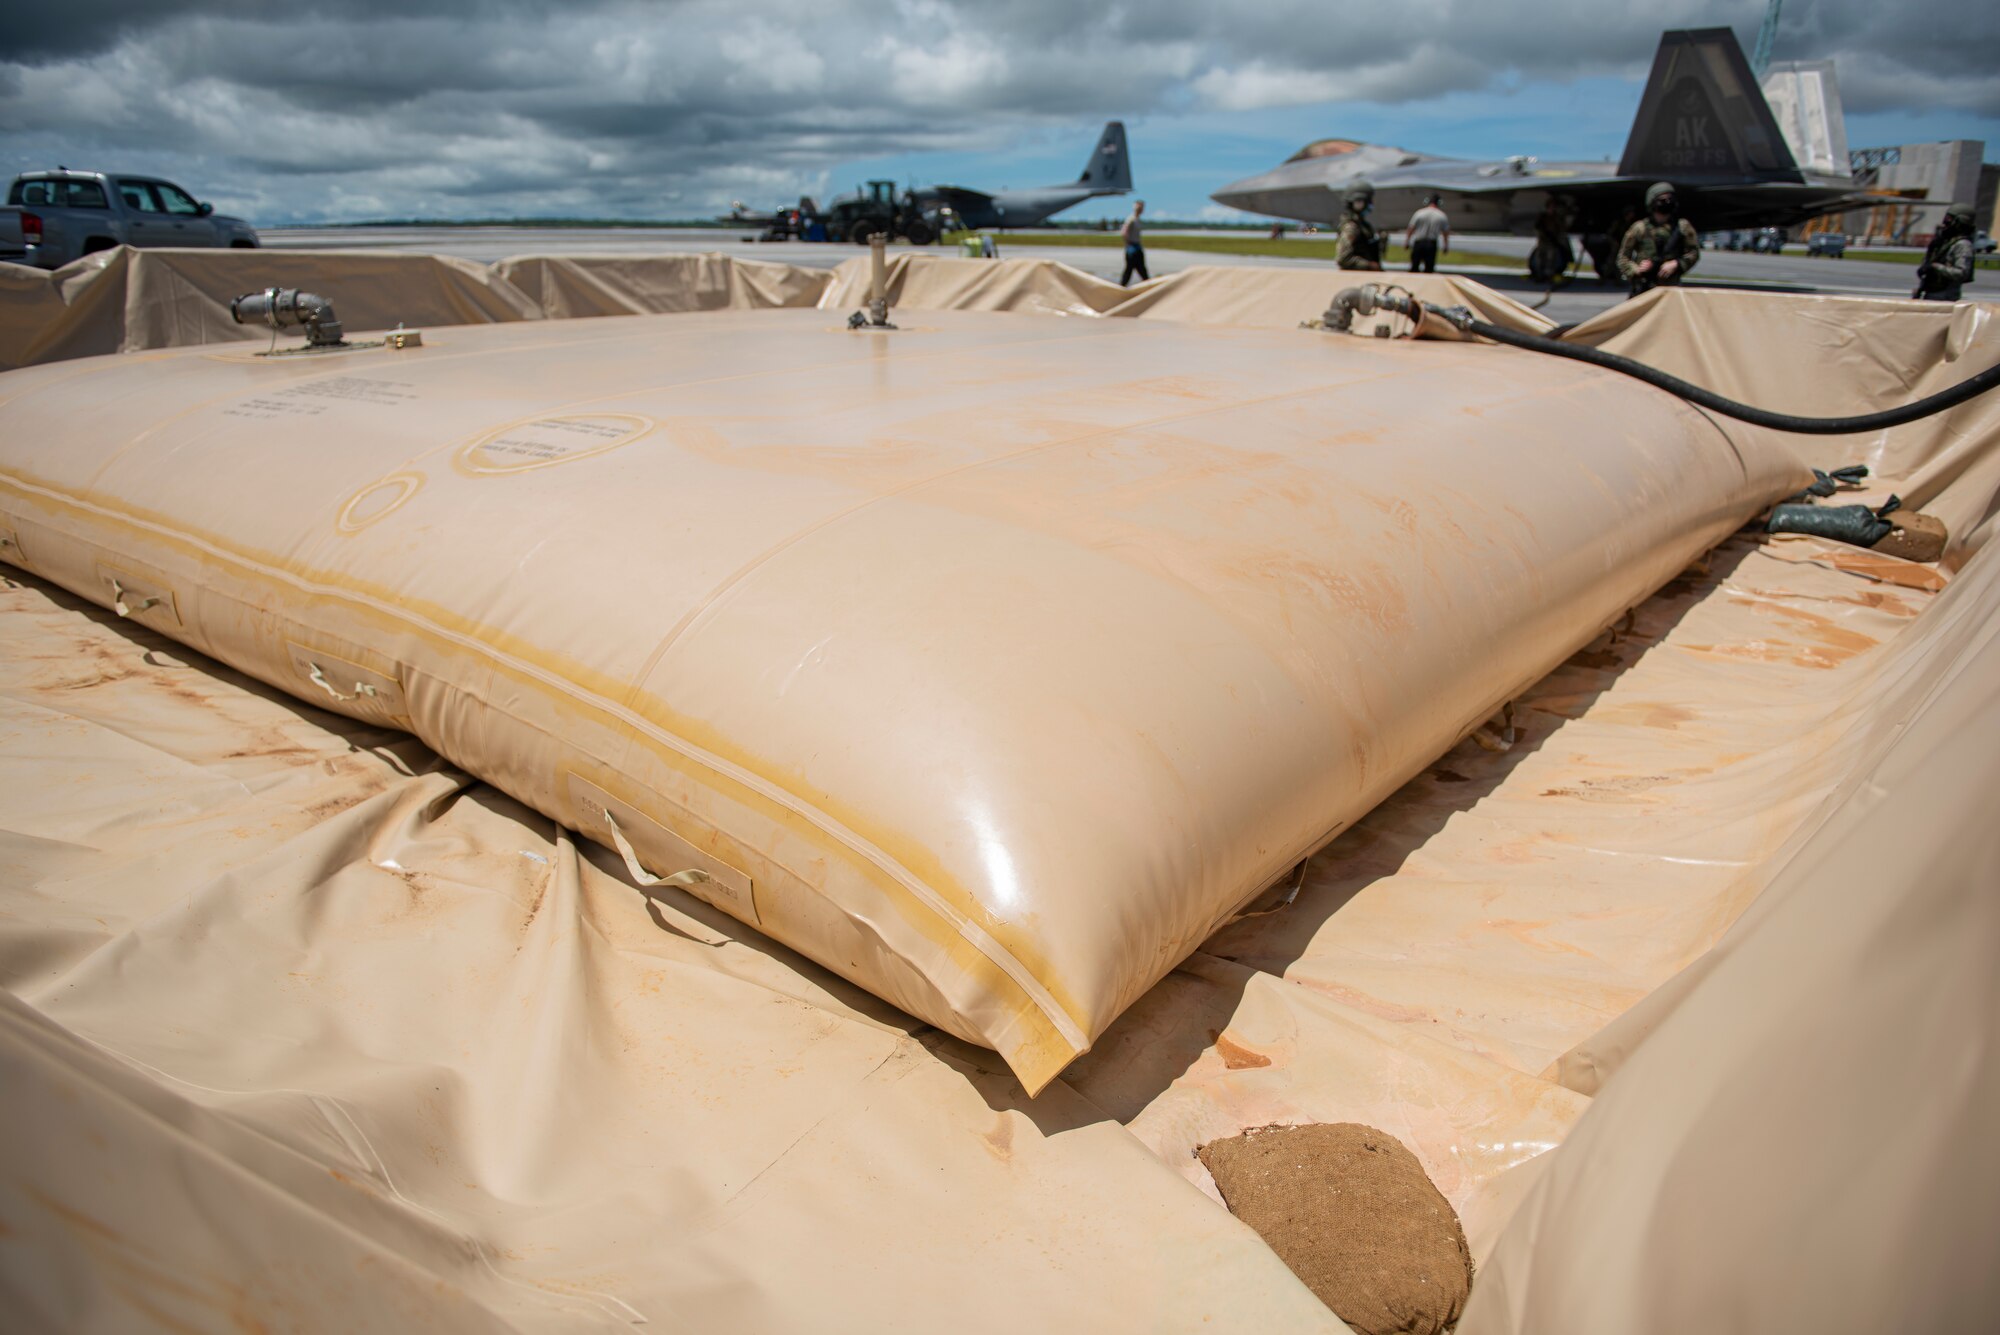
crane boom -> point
(1760, 59)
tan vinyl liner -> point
(125, 300)
(397, 1038)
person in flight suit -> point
(1947, 265)
(1359, 245)
(1661, 247)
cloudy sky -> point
(366, 109)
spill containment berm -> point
(993, 662)
(1688, 989)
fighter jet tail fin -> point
(1703, 117)
(1109, 171)
(1805, 97)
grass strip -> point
(1289, 247)
(1909, 257)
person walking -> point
(1359, 245)
(1947, 265)
(1135, 246)
(1661, 247)
(1428, 227)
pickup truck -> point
(51, 218)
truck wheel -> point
(97, 243)
(860, 232)
(243, 245)
(919, 233)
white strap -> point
(680, 880)
(118, 604)
(318, 678)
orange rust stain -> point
(1881, 600)
(1524, 932)
(534, 907)
(333, 806)
(1760, 651)
(1649, 714)
(1236, 1057)
(1889, 570)
(1204, 388)
(1612, 788)
(147, 1281)
(1518, 852)
(1822, 629)
(999, 1142)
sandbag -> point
(1350, 1209)
(992, 662)
(1858, 525)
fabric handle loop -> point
(681, 879)
(318, 678)
(119, 605)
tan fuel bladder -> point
(992, 662)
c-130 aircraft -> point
(1703, 125)
(1107, 172)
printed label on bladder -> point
(545, 441)
(352, 389)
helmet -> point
(1657, 191)
(1360, 195)
(1960, 214)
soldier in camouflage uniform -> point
(1359, 245)
(1947, 265)
(1660, 248)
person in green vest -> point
(1947, 265)
(1359, 245)
(1660, 248)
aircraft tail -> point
(1703, 118)
(1805, 97)
(1109, 171)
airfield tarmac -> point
(1584, 298)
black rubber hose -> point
(1965, 389)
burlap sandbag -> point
(1354, 1215)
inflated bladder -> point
(992, 662)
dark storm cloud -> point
(40, 32)
(369, 107)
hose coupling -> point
(1372, 297)
(289, 308)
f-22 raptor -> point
(1703, 125)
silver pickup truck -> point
(51, 218)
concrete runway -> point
(1778, 273)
